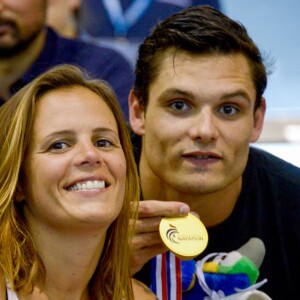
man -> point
(28, 48)
(198, 103)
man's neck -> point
(12, 69)
(213, 208)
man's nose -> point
(204, 126)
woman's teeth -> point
(88, 185)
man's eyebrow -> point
(239, 93)
(171, 92)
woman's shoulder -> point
(141, 291)
(2, 287)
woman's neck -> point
(70, 261)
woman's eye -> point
(229, 110)
(104, 143)
(59, 146)
(180, 105)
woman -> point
(68, 188)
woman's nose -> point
(88, 154)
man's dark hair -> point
(199, 30)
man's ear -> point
(19, 194)
(259, 116)
(136, 114)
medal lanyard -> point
(123, 21)
(166, 277)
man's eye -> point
(229, 110)
(180, 105)
(104, 143)
(59, 146)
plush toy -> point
(230, 275)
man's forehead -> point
(179, 64)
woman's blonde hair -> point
(19, 260)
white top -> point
(10, 294)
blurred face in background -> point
(21, 22)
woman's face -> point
(75, 169)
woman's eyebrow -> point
(57, 134)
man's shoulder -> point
(269, 165)
(82, 52)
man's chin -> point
(196, 188)
(15, 47)
(9, 51)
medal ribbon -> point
(166, 277)
(122, 22)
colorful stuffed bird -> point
(230, 275)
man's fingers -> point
(141, 256)
(145, 240)
(147, 225)
(155, 208)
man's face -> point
(20, 23)
(199, 122)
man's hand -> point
(146, 242)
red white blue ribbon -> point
(166, 277)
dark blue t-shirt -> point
(99, 62)
(268, 208)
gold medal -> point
(186, 236)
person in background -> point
(121, 24)
(68, 191)
(28, 48)
(196, 105)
